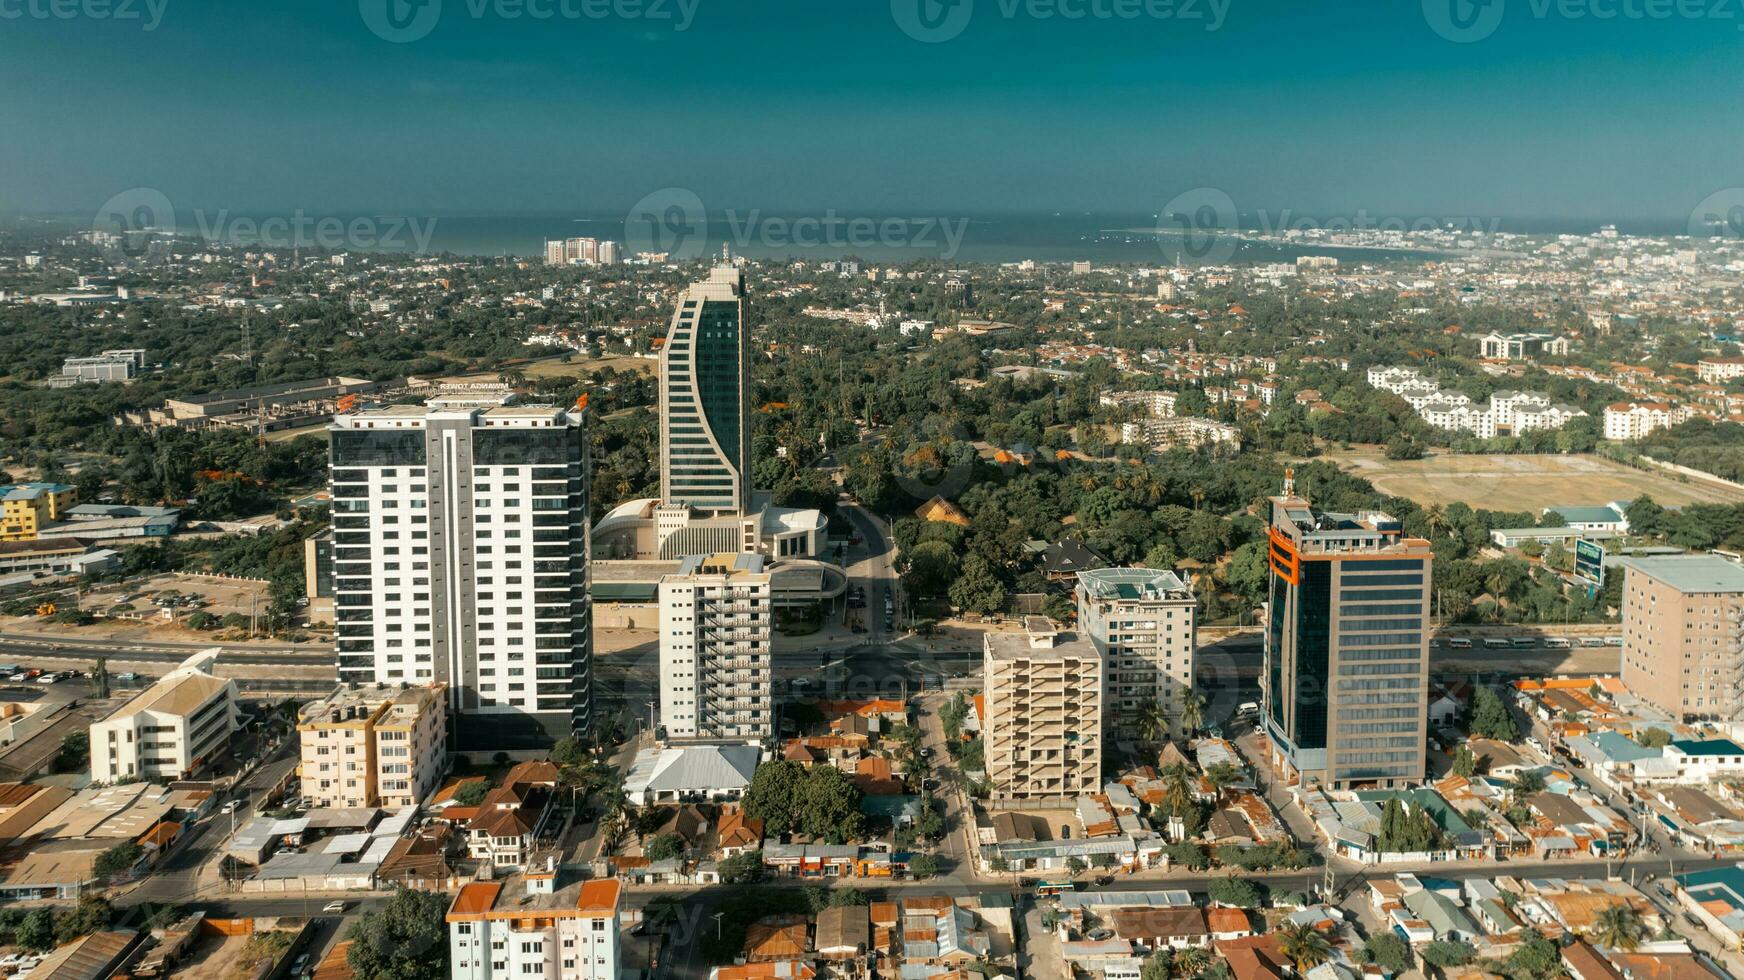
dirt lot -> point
(222, 595)
(554, 367)
(1523, 483)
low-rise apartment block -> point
(1043, 692)
(373, 746)
(1626, 421)
(533, 928)
(25, 508)
(1683, 623)
(1717, 369)
(171, 729)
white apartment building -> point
(527, 928)
(373, 746)
(1157, 404)
(171, 729)
(1043, 727)
(1717, 369)
(460, 557)
(1516, 346)
(716, 625)
(1162, 434)
(1142, 623)
(1508, 412)
(1626, 421)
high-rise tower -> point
(1346, 674)
(705, 398)
(460, 556)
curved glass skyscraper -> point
(705, 398)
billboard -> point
(1589, 562)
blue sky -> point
(1319, 105)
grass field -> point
(1524, 483)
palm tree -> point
(1153, 722)
(1528, 783)
(1191, 962)
(1221, 775)
(1177, 788)
(1303, 945)
(1619, 926)
(1192, 711)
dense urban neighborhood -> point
(607, 614)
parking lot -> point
(182, 594)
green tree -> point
(1387, 950)
(771, 795)
(742, 869)
(666, 847)
(472, 792)
(406, 939)
(1490, 717)
(923, 865)
(117, 859)
(1464, 762)
(92, 913)
(1234, 892)
(1447, 954)
(1654, 738)
(36, 932)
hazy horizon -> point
(362, 107)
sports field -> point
(1524, 483)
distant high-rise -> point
(705, 398)
(460, 556)
(1345, 682)
(716, 625)
(609, 253)
(1141, 621)
(579, 251)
